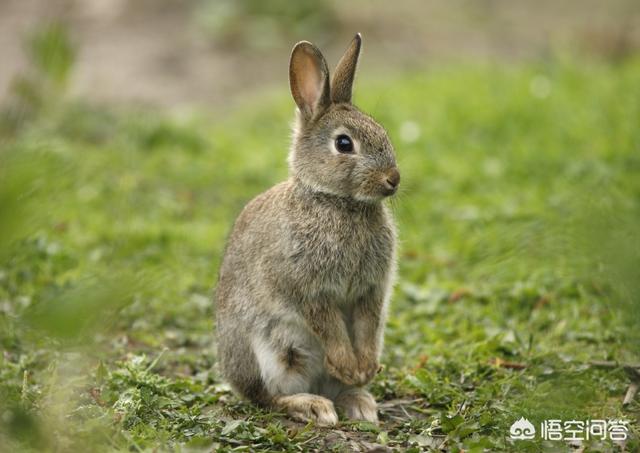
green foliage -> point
(50, 56)
(519, 265)
(255, 23)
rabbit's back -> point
(257, 237)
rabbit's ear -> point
(309, 79)
(342, 82)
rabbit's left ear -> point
(309, 79)
(342, 82)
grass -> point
(519, 264)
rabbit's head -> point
(337, 149)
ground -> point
(517, 214)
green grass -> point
(518, 220)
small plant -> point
(51, 56)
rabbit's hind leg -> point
(285, 368)
(289, 371)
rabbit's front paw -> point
(342, 365)
(368, 367)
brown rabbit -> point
(309, 265)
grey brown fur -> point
(309, 265)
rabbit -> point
(307, 271)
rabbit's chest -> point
(342, 256)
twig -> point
(610, 364)
(632, 370)
(399, 402)
(395, 417)
(311, 439)
(631, 392)
(25, 384)
(497, 361)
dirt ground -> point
(154, 52)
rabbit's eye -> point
(344, 144)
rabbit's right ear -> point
(342, 83)
(309, 79)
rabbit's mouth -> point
(391, 182)
(383, 184)
(388, 191)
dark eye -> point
(344, 144)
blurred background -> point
(132, 133)
(212, 52)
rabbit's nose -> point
(393, 178)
